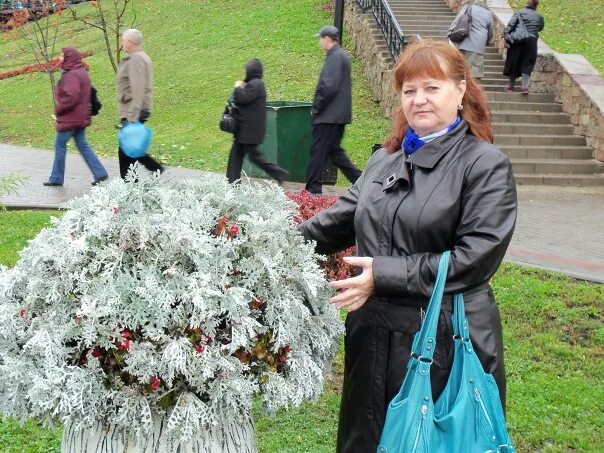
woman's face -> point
(430, 105)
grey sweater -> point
(481, 31)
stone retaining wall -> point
(570, 77)
(377, 66)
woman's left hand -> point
(356, 289)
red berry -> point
(124, 345)
(199, 348)
(154, 383)
(22, 312)
(96, 352)
(234, 230)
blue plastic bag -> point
(135, 139)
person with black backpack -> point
(73, 109)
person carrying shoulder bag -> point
(249, 96)
(473, 47)
(522, 56)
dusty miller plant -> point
(162, 298)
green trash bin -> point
(287, 142)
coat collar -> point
(429, 154)
(128, 55)
(427, 157)
(334, 48)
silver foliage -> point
(142, 257)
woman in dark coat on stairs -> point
(250, 98)
(438, 184)
(522, 56)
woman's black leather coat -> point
(455, 193)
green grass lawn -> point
(554, 342)
(198, 50)
(573, 27)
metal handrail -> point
(391, 29)
(364, 4)
(395, 39)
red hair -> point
(439, 60)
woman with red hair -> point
(437, 184)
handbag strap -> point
(424, 342)
(461, 329)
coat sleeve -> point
(541, 23)
(333, 228)
(484, 231)
(68, 95)
(137, 75)
(511, 24)
(248, 93)
(329, 83)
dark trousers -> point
(238, 152)
(147, 161)
(326, 139)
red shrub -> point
(308, 206)
(55, 65)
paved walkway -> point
(558, 229)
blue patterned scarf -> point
(412, 142)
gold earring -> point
(460, 107)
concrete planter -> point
(232, 437)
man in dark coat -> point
(250, 98)
(72, 113)
(331, 112)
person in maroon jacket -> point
(72, 111)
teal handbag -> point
(467, 417)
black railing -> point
(392, 31)
(364, 4)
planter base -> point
(231, 438)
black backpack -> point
(95, 103)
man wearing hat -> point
(331, 112)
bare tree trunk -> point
(110, 21)
(41, 40)
(232, 437)
(106, 36)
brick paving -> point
(558, 229)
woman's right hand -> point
(356, 290)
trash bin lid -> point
(289, 104)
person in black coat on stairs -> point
(522, 56)
(250, 98)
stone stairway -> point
(532, 130)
